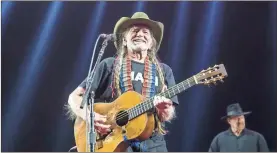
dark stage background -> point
(47, 46)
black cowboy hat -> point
(234, 110)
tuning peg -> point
(221, 81)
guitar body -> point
(140, 128)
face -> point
(138, 38)
(237, 122)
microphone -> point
(109, 37)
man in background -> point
(238, 138)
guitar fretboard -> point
(169, 93)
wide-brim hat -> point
(140, 18)
(234, 110)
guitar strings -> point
(135, 108)
(143, 104)
(122, 115)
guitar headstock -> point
(211, 75)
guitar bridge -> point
(100, 139)
(99, 144)
(123, 130)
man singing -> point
(135, 68)
(238, 138)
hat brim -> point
(155, 26)
(244, 113)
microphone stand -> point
(89, 94)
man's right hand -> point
(75, 100)
(99, 124)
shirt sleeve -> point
(214, 146)
(262, 144)
(102, 72)
(170, 81)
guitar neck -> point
(178, 88)
(169, 93)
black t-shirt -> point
(103, 78)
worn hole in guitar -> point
(122, 118)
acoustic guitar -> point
(128, 114)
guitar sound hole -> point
(122, 118)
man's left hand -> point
(164, 107)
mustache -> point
(240, 123)
(138, 38)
